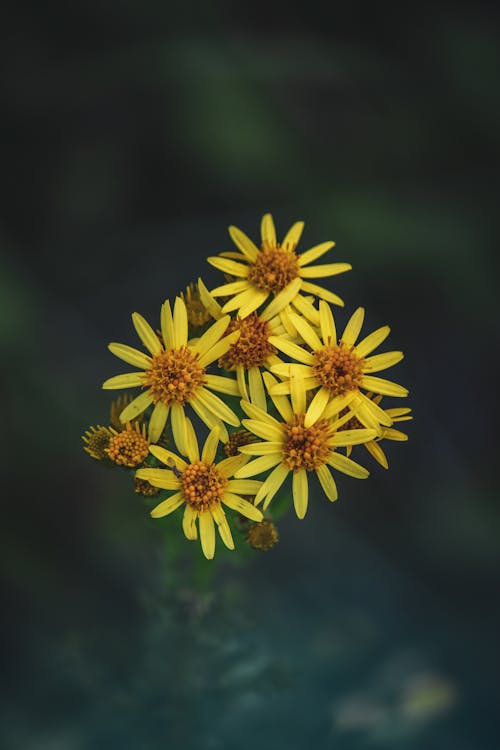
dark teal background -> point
(133, 135)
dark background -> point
(133, 135)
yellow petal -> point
(192, 449)
(167, 506)
(158, 421)
(163, 478)
(382, 361)
(268, 232)
(328, 269)
(242, 506)
(180, 323)
(392, 434)
(256, 387)
(244, 486)
(386, 387)
(146, 334)
(210, 446)
(282, 299)
(136, 407)
(208, 301)
(178, 421)
(314, 253)
(327, 324)
(272, 484)
(223, 385)
(306, 308)
(189, 523)
(370, 342)
(377, 453)
(218, 349)
(211, 336)
(130, 355)
(243, 298)
(214, 404)
(244, 243)
(256, 412)
(292, 350)
(167, 457)
(210, 419)
(338, 403)
(258, 297)
(234, 287)
(282, 403)
(167, 325)
(323, 293)
(225, 532)
(263, 429)
(297, 392)
(230, 465)
(263, 463)
(300, 492)
(347, 466)
(352, 437)
(292, 237)
(226, 265)
(307, 333)
(353, 327)
(240, 377)
(262, 449)
(283, 370)
(207, 534)
(127, 380)
(327, 482)
(316, 407)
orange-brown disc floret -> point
(129, 447)
(202, 485)
(306, 447)
(174, 376)
(274, 269)
(338, 369)
(252, 348)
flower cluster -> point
(296, 394)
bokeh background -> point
(134, 133)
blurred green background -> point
(134, 134)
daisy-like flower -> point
(128, 447)
(340, 368)
(251, 352)
(301, 443)
(274, 269)
(388, 433)
(202, 486)
(174, 374)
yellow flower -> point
(340, 368)
(173, 374)
(96, 441)
(262, 536)
(251, 352)
(202, 487)
(129, 447)
(388, 433)
(197, 313)
(300, 444)
(274, 269)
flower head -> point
(129, 447)
(96, 441)
(203, 487)
(173, 375)
(198, 315)
(262, 536)
(340, 369)
(301, 443)
(275, 269)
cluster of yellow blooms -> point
(303, 393)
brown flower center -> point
(263, 535)
(128, 448)
(274, 268)
(236, 439)
(306, 447)
(174, 376)
(253, 347)
(202, 485)
(338, 369)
